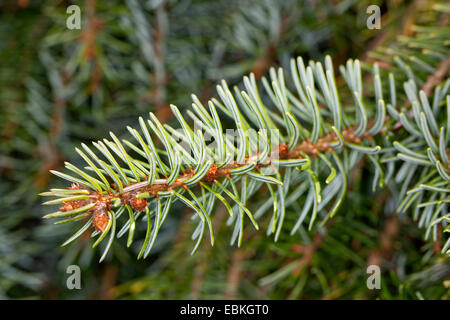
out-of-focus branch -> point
(387, 237)
(88, 38)
(52, 157)
(159, 77)
(437, 77)
(386, 34)
(201, 267)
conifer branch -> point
(313, 132)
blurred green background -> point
(61, 87)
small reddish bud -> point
(138, 204)
(67, 206)
(212, 174)
(283, 150)
(101, 220)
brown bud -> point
(75, 186)
(138, 204)
(101, 220)
(74, 204)
(212, 174)
(283, 150)
(67, 206)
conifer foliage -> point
(320, 136)
(324, 152)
